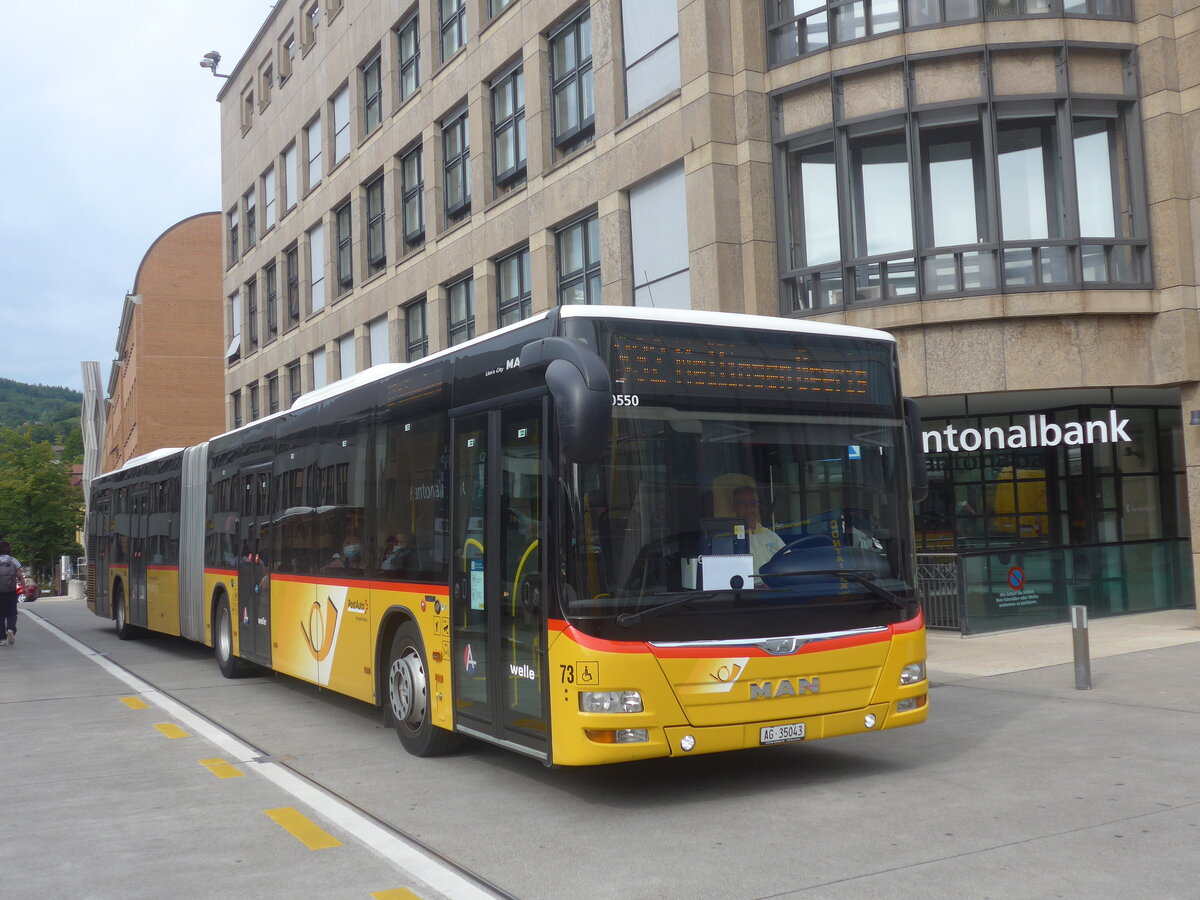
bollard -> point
(1079, 636)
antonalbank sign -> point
(1037, 433)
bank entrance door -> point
(499, 634)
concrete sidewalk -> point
(953, 657)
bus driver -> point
(764, 543)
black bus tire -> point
(125, 631)
(407, 702)
(231, 666)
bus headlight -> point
(610, 702)
(912, 673)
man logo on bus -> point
(320, 630)
(1016, 578)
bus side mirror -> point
(582, 392)
(918, 474)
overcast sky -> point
(112, 136)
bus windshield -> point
(716, 515)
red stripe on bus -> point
(411, 587)
(721, 651)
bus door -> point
(499, 636)
(254, 583)
(138, 553)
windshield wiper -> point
(627, 619)
(867, 581)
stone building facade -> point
(1005, 185)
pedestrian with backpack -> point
(10, 571)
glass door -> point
(497, 584)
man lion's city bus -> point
(602, 534)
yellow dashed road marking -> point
(135, 702)
(221, 769)
(396, 894)
(303, 829)
(171, 730)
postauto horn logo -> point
(322, 625)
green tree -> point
(40, 512)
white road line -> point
(405, 857)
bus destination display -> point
(652, 365)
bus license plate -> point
(781, 734)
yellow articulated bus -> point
(599, 535)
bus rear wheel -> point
(408, 696)
(125, 631)
(231, 666)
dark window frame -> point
(413, 192)
(372, 94)
(376, 226)
(510, 127)
(456, 166)
(344, 230)
(411, 63)
(575, 78)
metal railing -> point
(939, 590)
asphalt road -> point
(1018, 786)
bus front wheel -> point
(408, 697)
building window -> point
(346, 366)
(416, 332)
(372, 95)
(272, 394)
(316, 262)
(341, 125)
(413, 189)
(579, 262)
(253, 402)
(508, 128)
(233, 351)
(250, 289)
(310, 25)
(574, 113)
(460, 302)
(376, 245)
(377, 341)
(495, 7)
(251, 216)
(658, 232)
(408, 51)
(320, 375)
(456, 160)
(294, 389)
(312, 139)
(867, 223)
(269, 199)
(650, 30)
(799, 27)
(271, 282)
(292, 272)
(345, 267)
(235, 406)
(247, 110)
(454, 26)
(291, 178)
(287, 54)
(514, 301)
(266, 81)
(232, 223)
